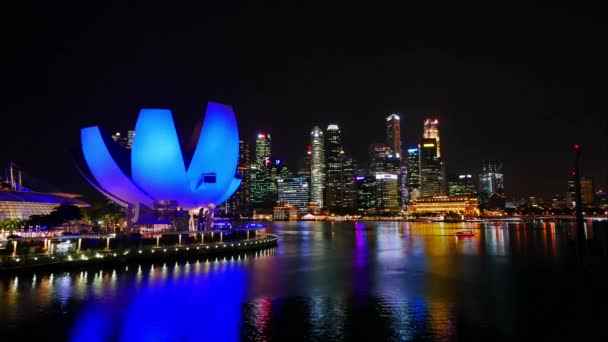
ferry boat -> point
(465, 233)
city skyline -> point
(515, 91)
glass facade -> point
(317, 166)
(430, 169)
(23, 210)
(294, 191)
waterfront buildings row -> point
(329, 181)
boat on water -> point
(465, 233)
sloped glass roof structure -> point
(158, 170)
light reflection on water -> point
(327, 282)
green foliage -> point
(10, 224)
(452, 216)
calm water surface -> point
(343, 281)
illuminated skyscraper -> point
(239, 204)
(587, 190)
(263, 192)
(349, 188)
(304, 169)
(393, 134)
(262, 149)
(430, 169)
(490, 181)
(333, 165)
(377, 158)
(294, 191)
(130, 137)
(366, 193)
(393, 139)
(413, 173)
(340, 172)
(431, 131)
(462, 186)
(387, 192)
(317, 166)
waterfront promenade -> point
(107, 248)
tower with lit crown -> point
(431, 131)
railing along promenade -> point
(153, 246)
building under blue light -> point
(156, 169)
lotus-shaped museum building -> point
(159, 169)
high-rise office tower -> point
(294, 191)
(263, 192)
(377, 158)
(393, 134)
(239, 204)
(587, 190)
(130, 137)
(304, 169)
(349, 188)
(462, 186)
(366, 193)
(387, 192)
(340, 191)
(393, 137)
(570, 202)
(262, 149)
(317, 166)
(431, 131)
(333, 167)
(490, 181)
(430, 169)
(413, 173)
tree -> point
(10, 224)
(452, 216)
(66, 213)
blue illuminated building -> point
(156, 169)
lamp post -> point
(580, 225)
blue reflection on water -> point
(184, 307)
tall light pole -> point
(580, 225)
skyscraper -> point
(239, 204)
(462, 186)
(333, 165)
(431, 131)
(393, 134)
(587, 190)
(387, 192)
(413, 173)
(294, 191)
(317, 166)
(490, 181)
(263, 193)
(262, 149)
(304, 169)
(130, 137)
(340, 172)
(377, 158)
(430, 169)
(349, 188)
(366, 193)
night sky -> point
(517, 84)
